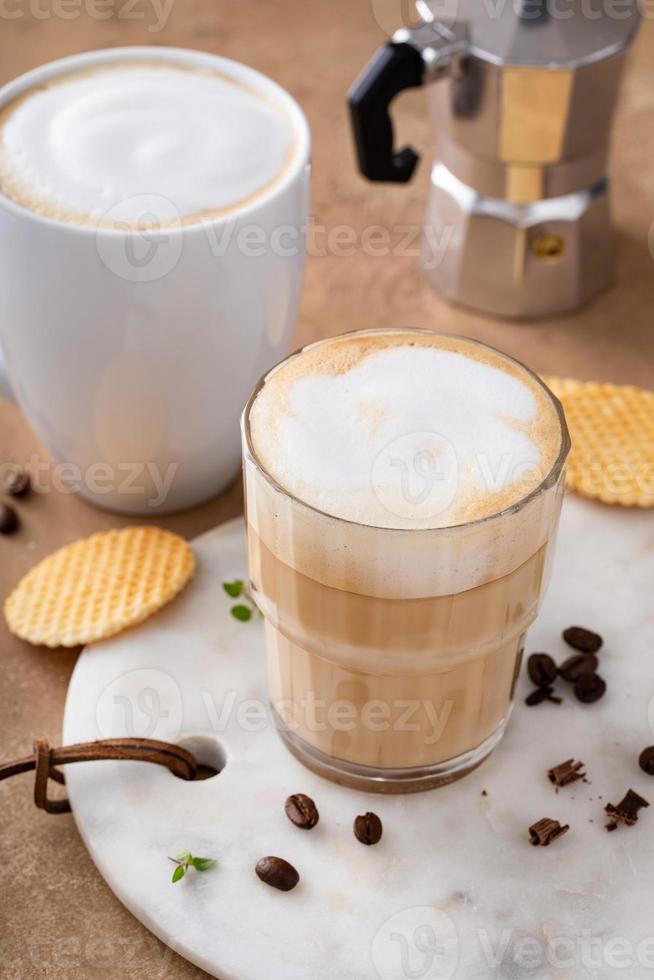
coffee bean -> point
(541, 669)
(368, 828)
(646, 760)
(277, 873)
(302, 811)
(539, 695)
(8, 519)
(577, 664)
(582, 639)
(589, 688)
(16, 482)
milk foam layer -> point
(104, 144)
(405, 429)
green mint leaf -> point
(242, 613)
(184, 857)
(233, 589)
(203, 864)
(178, 873)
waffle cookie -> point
(96, 587)
(612, 432)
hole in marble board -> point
(209, 753)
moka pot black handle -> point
(394, 67)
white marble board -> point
(454, 890)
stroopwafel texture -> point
(97, 587)
(612, 432)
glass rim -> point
(548, 481)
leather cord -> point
(45, 759)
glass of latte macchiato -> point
(403, 491)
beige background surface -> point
(57, 918)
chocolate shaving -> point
(565, 773)
(544, 831)
(625, 812)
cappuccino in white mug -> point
(97, 146)
(135, 314)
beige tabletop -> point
(57, 917)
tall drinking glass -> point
(393, 653)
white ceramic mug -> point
(132, 358)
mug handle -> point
(415, 56)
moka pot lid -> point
(538, 33)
